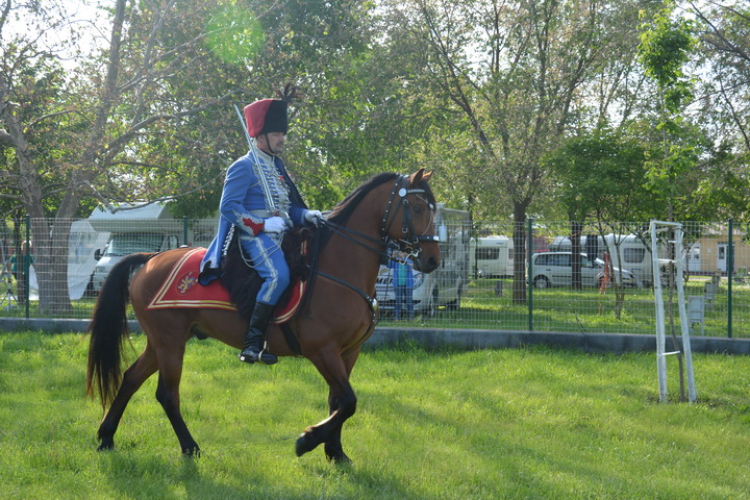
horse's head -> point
(409, 217)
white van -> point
(145, 228)
(445, 285)
(491, 257)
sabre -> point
(263, 181)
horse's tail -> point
(109, 326)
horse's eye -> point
(418, 209)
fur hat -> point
(265, 116)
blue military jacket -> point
(243, 205)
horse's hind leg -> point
(132, 380)
(168, 394)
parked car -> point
(556, 269)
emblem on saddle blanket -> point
(181, 289)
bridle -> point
(411, 239)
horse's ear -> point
(420, 176)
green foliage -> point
(666, 45)
(602, 174)
(721, 188)
(476, 91)
(234, 34)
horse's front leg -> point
(342, 405)
(333, 448)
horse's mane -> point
(341, 212)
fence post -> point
(529, 270)
(185, 230)
(26, 265)
(730, 272)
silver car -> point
(556, 269)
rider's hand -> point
(314, 216)
(274, 225)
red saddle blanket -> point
(181, 289)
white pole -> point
(661, 360)
(686, 348)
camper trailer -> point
(145, 228)
(84, 248)
(630, 252)
(591, 244)
(491, 257)
(445, 285)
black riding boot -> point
(253, 351)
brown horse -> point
(339, 316)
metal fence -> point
(480, 283)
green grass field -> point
(488, 424)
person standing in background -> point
(19, 266)
(403, 284)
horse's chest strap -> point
(372, 302)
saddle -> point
(238, 284)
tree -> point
(33, 126)
(725, 44)
(514, 71)
(666, 44)
(602, 175)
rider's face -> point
(272, 142)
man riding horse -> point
(260, 203)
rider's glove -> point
(274, 225)
(314, 216)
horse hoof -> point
(304, 444)
(192, 452)
(341, 459)
(106, 447)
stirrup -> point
(262, 357)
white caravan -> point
(630, 252)
(491, 257)
(144, 228)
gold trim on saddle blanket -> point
(181, 289)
